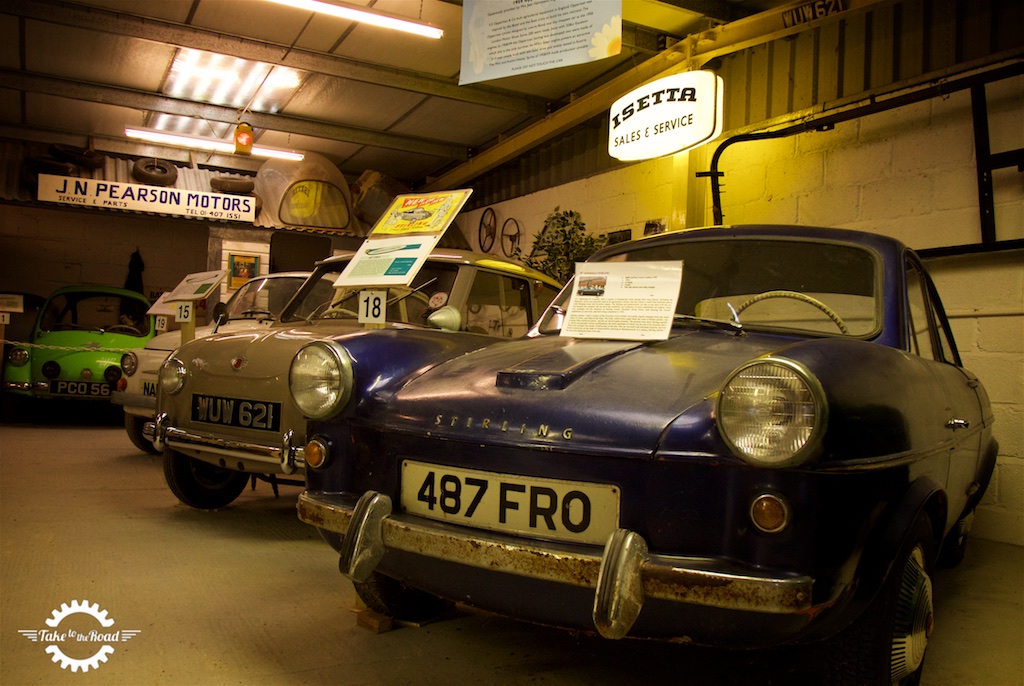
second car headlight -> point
(772, 412)
(320, 379)
(129, 363)
(172, 376)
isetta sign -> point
(666, 116)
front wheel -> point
(887, 644)
(133, 426)
(200, 484)
(393, 598)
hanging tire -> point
(393, 598)
(154, 172)
(133, 426)
(202, 485)
(886, 645)
(231, 184)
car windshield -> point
(793, 285)
(96, 312)
(319, 298)
(263, 298)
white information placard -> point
(402, 239)
(387, 261)
(508, 37)
(193, 287)
(633, 301)
(12, 302)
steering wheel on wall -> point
(510, 233)
(488, 230)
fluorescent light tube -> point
(212, 144)
(366, 16)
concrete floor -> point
(250, 595)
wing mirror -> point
(220, 315)
(447, 318)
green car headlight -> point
(772, 412)
(18, 357)
(320, 379)
(172, 376)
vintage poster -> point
(420, 213)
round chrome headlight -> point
(320, 379)
(18, 357)
(172, 376)
(129, 363)
(772, 413)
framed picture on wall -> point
(241, 268)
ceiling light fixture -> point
(387, 21)
(202, 143)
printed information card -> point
(633, 301)
(401, 240)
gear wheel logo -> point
(55, 635)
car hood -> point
(608, 396)
(88, 340)
(170, 340)
(255, 353)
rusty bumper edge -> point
(697, 581)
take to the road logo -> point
(79, 642)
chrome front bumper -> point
(622, 577)
(227, 452)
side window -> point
(920, 320)
(498, 305)
(545, 294)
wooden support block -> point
(374, 621)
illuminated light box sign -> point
(70, 190)
(666, 116)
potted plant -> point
(562, 243)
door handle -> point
(955, 424)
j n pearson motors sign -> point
(666, 116)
